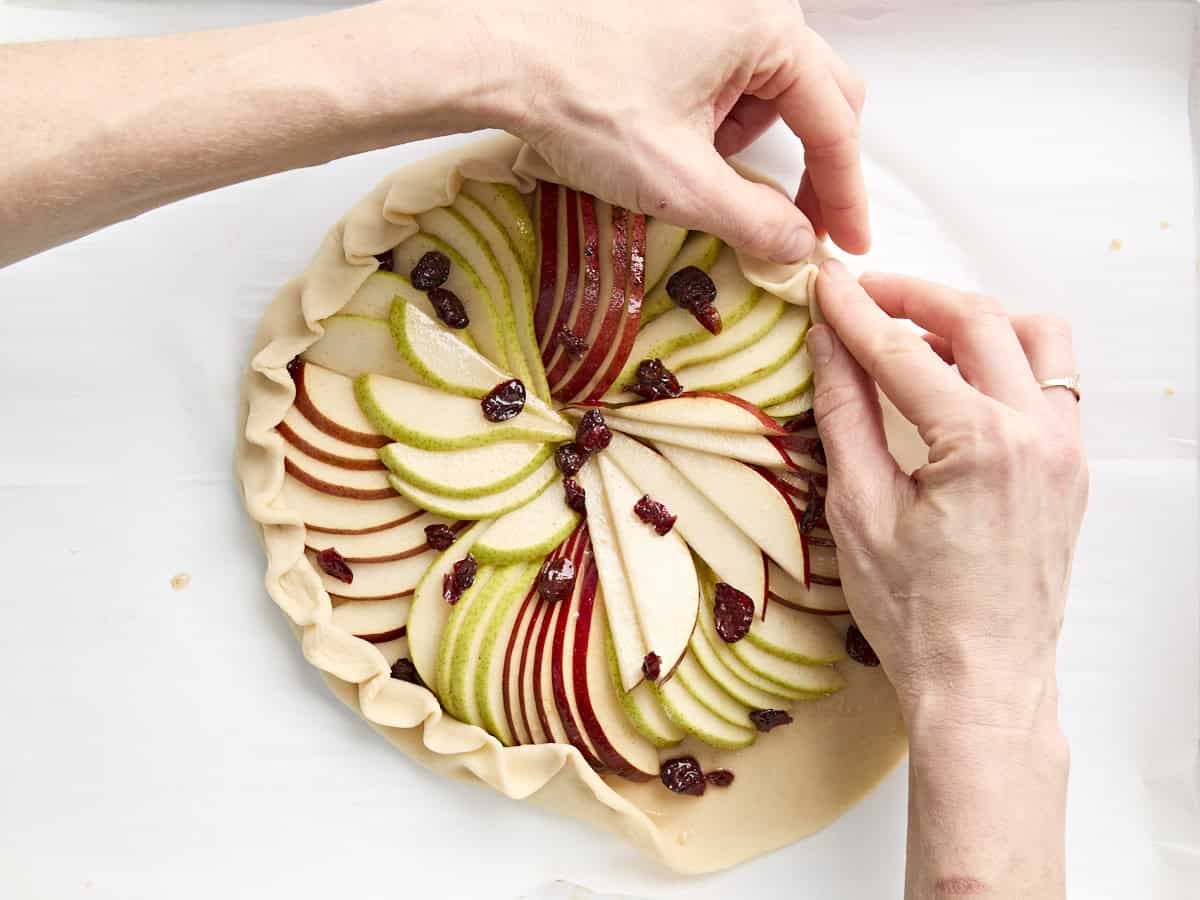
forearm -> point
(99, 131)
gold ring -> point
(1071, 383)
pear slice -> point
(796, 636)
(381, 289)
(705, 410)
(811, 681)
(710, 694)
(424, 417)
(740, 672)
(686, 711)
(312, 441)
(376, 621)
(429, 613)
(540, 687)
(516, 712)
(663, 243)
(790, 380)
(752, 363)
(797, 406)
(754, 327)
(716, 539)
(508, 206)
(486, 507)
(353, 345)
(401, 541)
(660, 570)
(479, 593)
(699, 250)
(358, 484)
(529, 532)
(557, 273)
(469, 472)
(741, 690)
(377, 581)
(486, 325)
(488, 679)
(582, 291)
(751, 448)
(817, 599)
(747, 498)
(642, 707)
(343, 515)
(326, 398)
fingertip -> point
(820, 346)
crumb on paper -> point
(682, 838)
(1168, 391)
(1164, 225)
(1116, 244)
(181, 581)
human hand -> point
(637, 103)
(958, 574)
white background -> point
(156, 743)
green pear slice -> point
(486, 507)
(660, 570)
(821, 599)
(758, 322)
(362, 484)
(486, 325)
(353, 345)
(528, 532)
(710, 694)
(298, 431)
(796, 636)
(752, 363)
(810, 680)
(748, 499)
(423, 417)
(508, 206)
(489, 683)
(663, 243)
(469, 472)
(699, 250)
(711, 534)
(741, 690)
(375, 297)
(797, 406)
(400, 541)
(628, 643)
(751, 448)
(723, 652)
(373, 620)
(790, 380)
(343, 515)
(377, 581)
(429, 613)
(686, 711)
(477, 594)
(713, 412)
(642, 706)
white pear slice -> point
(811, 681)
(361, 484)
(816, 598)
(508, 207)
(710, 694)
(642, 707)
(480, 592)
(747, 498)
(686, 711)
(713, 412)
(660, 570)
(398, 542)
(394, 650)
(797, 406)
(628, 642)
(424, 417)
(488, 678)
(373, 620)
(486, 507)
(663, 243)
(470, 472)
(790, 380)
(751, 363)
(528, 532)
(727, 549)
(378, 581)
(381, 289)
(751, 448)
(699, 250)
(485, 326)
(744, 692)
(740, 672)
(353, 345)
(343, 515)
(765, 315)
(796, 636)
(326, 398)
(307, 437)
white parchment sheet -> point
(174, 743)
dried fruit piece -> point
(334, 565)
(683, 776)
(733, 612)
(386, 261)
(592, 433)
(691, 287)
(556, 580)
(449, 308)
(569, 458)
(766, 719)
(439, 536)
(504, 401)
(655, 381)
(859, 649)
(654, 513)
(576, 495)
(459, 578)
(431, 271)
(404, 670)
(573, 345)
(814, 513)
(652, 666)
(708, 316)
(719, 777)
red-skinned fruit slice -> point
(635, 293)
(576, 316)
(548, 207)
(326, 399)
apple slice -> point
(797, 406)
(356, 484)
(790, 380)
(470, 472)
(628, 641)
(661, 574)
(685, 710)
(699, 250)
(373, 620)
(747, 498)
(312, 441)
(816, 599)
(423, 417)
(343, 515)
(708, 531)
(489, 680)
(706, 410)
(752, 363)
(742, 673)
(751, 448)
(765, 315)
(381, 289)
(486, 327)
(810, 681)
(576, 308)
(429, 613)
(386, 545)
(796, 636)
(352, 345)
(377, 581)
(529, 532)
(642, 707)
(486, 507)
(479, 593)
(507, 205)
(326, 398)
(663, 243)
(741, 690)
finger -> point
(926, 391)
(1046, 341)
(854, 89)
(806, 200)
(746, 122)
(987, 351)
(940, 346)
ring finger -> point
(1046, 341)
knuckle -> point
(856, 91)
(1050, 326)
(831, 403)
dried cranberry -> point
(652, 666)
(386, 261)
(654, 513)
(683, 776)
(655, 381)
(719, 777)
(592, 433)
(404, 670)
(458, 579)
(431, 271)
(858, 649)
(708, 316)
(334, 565)
(504, 401)
(766, 719)
(573, 345)
(439, 537)
(733, 611)
(556, 580)
(569, 458)
(449, 308)
(691, 287)
(576, 495)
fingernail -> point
(798, 247)
(834, 269)
(820, 344)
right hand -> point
(957, 574)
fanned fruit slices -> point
(559, 464)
